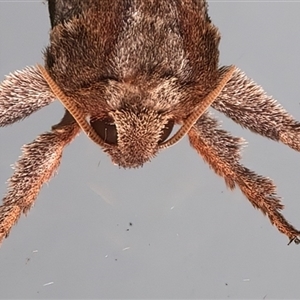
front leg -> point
(37, 164)
(247, 104)
(222, 152)
(21, 94)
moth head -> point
(133, 135)
(134, 132)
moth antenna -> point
(199, 111)
(71, 107)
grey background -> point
(190, 236)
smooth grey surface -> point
(190, 237)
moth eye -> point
(106, 129)
(166, 131)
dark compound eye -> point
(107, 130)
(166, 131)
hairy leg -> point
(222, 152)
(39, 161)
(246, 103)
(21, 94)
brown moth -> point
(126, 72)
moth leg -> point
(37, 164)
(246, 103)
(21, 94)
(222, 152)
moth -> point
(126, 72)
